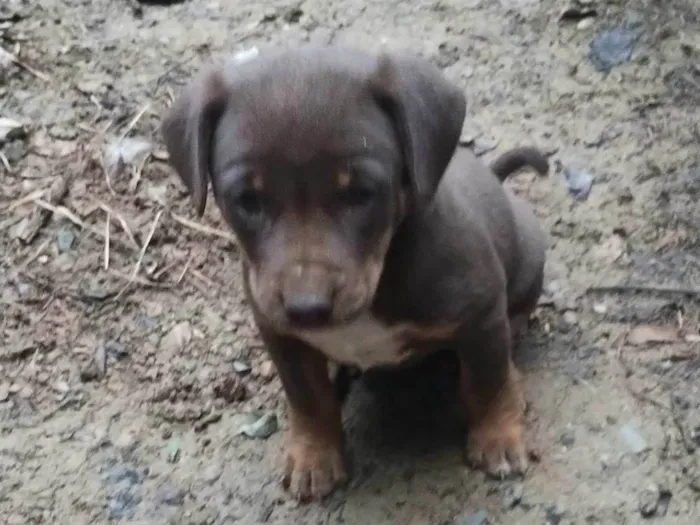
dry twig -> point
(635, 288)
(208, 230)
(147, 283)
(139, 261)
(134, 121)
(107, 229)
(66, 213)
(199, 275)
(5, 162)
(36, 194)
(645, 398)
(42, 213)
(184, 270)
(122, 222)
(14, 58)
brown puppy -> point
(361, 246)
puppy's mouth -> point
(313, 316)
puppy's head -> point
(315, 157)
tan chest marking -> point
(367, 343)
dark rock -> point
(512, 496)
(123, 486)
(554, 515)
(567, 438)
(169, 495)
(612, 47)
(579, 183)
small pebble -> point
(241, 367)
(212, 474)
(600, 308)
(26, 392)
(585, 23)
(4, 391)
(116, 350)
(649, 501)
(484, 145)
(157, 193)
(245, 56)
(512, 496)
(579, 183)
(100, 360)
(170, 495)
(567, 438)
(631, 439)
(231, 389)
(479, 517)
(64, 239)
(90, 373)
(259, 426)
(269, 15)
(570, 317)
(173, 451)
(127, 440)
(178, 337)
(267, 370)
(554, 515)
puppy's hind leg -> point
(520, 313)
(492, 395)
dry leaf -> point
(649, 334)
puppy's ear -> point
(188, 129)
(428, 112)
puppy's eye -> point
(356, 196)
(249, 202)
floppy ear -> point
(188, 128)
(428, 112)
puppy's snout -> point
(308, 294)
(308, 309)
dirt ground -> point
(128, 361)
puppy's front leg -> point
(315, 447)
(492, 395)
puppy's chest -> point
(367, 343)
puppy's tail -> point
(517, 159)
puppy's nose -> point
(308, 310)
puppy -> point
(368, 239)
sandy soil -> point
(122, 399)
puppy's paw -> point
(496, 446)
(313, 469)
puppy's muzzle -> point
(308, 309)
(308, 295)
